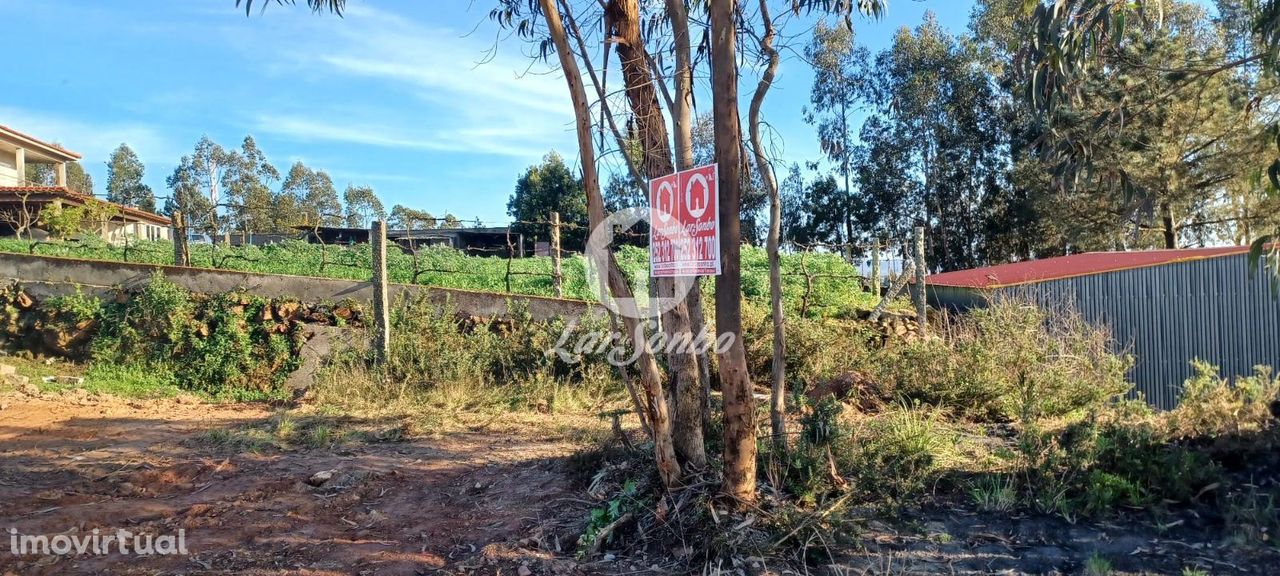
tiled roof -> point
(64, 192)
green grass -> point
(834, 290)
(130, 381)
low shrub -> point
(816, 349)
(440, 362)
(1212, 406)
(227, 345)
(1093, 466)
(900, 453)
(1010, 360)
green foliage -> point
(449, 363)
(62, 222)
(1093, 466)
(1008, 361)
(900, 453)
(546, 188)
(626, 502)
(124, 180)
(995, 493)
(74, 308)
(131, 380)
(1211, 406)
(449, 268)
(1096, 565)
(218, 345)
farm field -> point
(834, 287)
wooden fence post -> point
(381, 308)
(921, 305)
(557, 277)
(181, 254)
(875, 268)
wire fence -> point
(820, 279)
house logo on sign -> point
(665, 201)
(697, 204)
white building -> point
(21, 201)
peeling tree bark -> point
(622, 18)
(778, 399)
(735, 382)
(682, 124)
(650, 376)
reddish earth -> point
(474, 502)
(462, 503)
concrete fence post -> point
(875, 269)
(557, 277)
(181, 254)
(381, 307)
(921, 305)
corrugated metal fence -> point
(1166, 315)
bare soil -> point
(459, 503)
(473, 501)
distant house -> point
(493, 241)
(1166, 307)
(21, 201)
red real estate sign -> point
(684, 224)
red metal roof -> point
(1032, 271)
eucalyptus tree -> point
(835, 99)
(195, 185)
(248, 181)
(1072, 39)
(315, 196)
(363, 206)
(124, 180)
(931, 150)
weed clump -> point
(163, 338)
(441, 362)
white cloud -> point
(456, 102)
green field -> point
(832, 288)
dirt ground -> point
(465, 502)
(461, 503)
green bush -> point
(900, 453)
(1211, 406)
(817, 349)
(218, 345)
(1008, 361)
(441, 360)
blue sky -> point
(400, 95)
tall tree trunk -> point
(1169, 227)
(778, 398)
(682, 124)
(735, 382)
(622, 18)
(650, 376)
